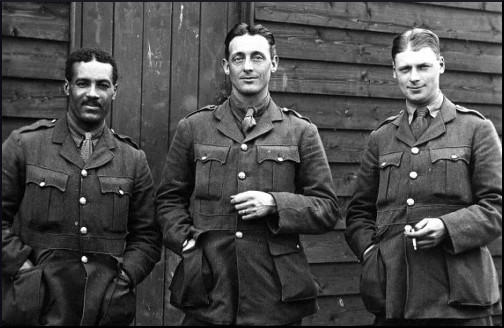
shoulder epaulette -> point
(288, 111)
(206, 108)
(470, 111)
(124, 138)
(388, 120)
(40, 124)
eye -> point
(237, 60)
(81, 84)
(257, 58)
(103, 86)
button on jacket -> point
(255, 271)
(452, 172)
(75, 221)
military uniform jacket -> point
(452, 172)
(255, 271)
(62, 213)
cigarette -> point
(410, 229)
(414, 244)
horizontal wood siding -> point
(335, 68)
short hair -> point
(417, 38)
(89, 54)
(242, 29)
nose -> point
(414, 76)
(247, 66)
(92, 92)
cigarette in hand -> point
(409, 228)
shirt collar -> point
(240, 108)
(78, 133)
(433, 107)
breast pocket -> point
(115, 203)
(277, 166)
(44, 192)
(210, 170)
(388, 165)
(450, 171)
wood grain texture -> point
(98, 19)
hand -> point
(124, 276)
(253, 204)
(188, 244)
(26, 265)
(429, 233)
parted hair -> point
(86, 55)
(416, 38)
(243, 28)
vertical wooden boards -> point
(128, 31)
(97, 20)
(154, 136)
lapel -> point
(227, 124)
(68, 151)
(265, 123)
(404, 133)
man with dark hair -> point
(78, 225)
(428, 201)
(241, 181)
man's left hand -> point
(253, 204)
(429, 232)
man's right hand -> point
(26, 265)
(188, 244)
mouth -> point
(415, 88)
(249, 78)
(92, 106)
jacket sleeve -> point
(479, 224)
(143, 242)
(175, 189)
(14, 251)
(314, 207)
(361, 210)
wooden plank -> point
(213, 31)
(128, 33)
(308, 77)
(327, 248)
(30, 58)
(49, 21)
(233, 14)
(75, 26)
(476, 5)
(344, 178)
(337, 278)
(154, 134)
(450, 23)
(185, 61)
(33, 98)
(345, 310)
(344, 146)
(98, 22)
(364, 47)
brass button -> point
(383, 164)
(297, 246)
(242, 175)
(239, 234)
(84, 259)
(410, 201)
(82, 201)
(244, 147)
(42, 184)
(280, 159)
(454, 156)
(415, 150)
(204, 158)
(121, 192)
(83, 230)
(413, 175)
(84, 173)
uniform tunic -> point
(245, 272)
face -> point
(90, 92)
(249, 65)
(417, 74)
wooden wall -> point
(334, 68)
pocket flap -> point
(393, 159)
(207, 153)
(277, 153)
(286, 244)
(46, 178)
(120, 186)
(452, 154)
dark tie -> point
(86, 148)
(248, 121)
(420, 121)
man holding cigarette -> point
(428, 201)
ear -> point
(442, 65)
(66, 87)
(274, 64)
(115, 91)
(225, 66)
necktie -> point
(248, 121)
(86, 148)
(420, 122)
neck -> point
(86, 127)
(249, 100)
(424, 103)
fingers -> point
(245, 205)
(241, 197)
